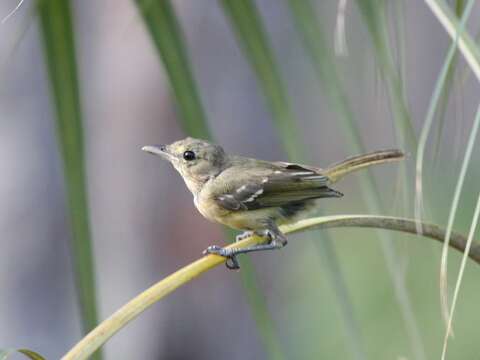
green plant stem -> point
(136, 306)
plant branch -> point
(98, 336)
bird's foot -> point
(273, 237)
(231, 259)
(274, 240)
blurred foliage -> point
(326, 70)
(370, 303)
(168, 38)
(164, 29)
(374, 14)
(247, 24)
(447, 90)
(59, 48)
(32, 355)
(174, 281)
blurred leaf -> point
(471, 53)
(399, 9)
(165, 31)
(246, 23)
(59, 48)
(31, 354)
(258, 305)
(375, 16)
(447, 91)
(440, 87)
(373, 12)
(468, 71)
(5, 354)
(461, 271)
(326, 70)
(164, 28)
(248, 26)
(453, 212)
(469, 49)
(259, 308)
(328, 255)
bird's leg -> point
(276, 240)
(231, 263)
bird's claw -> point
(214, 249)
(231, 260)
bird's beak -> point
(160, 150)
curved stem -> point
(98, 336)
(458, 241)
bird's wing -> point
(274, 185)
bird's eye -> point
(189, 155)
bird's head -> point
(196, 160)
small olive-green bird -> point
(255, 195)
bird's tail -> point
(338, 170)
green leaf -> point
(324, 63)
(471, 234)
(440, 87)
(59, 48)
(5, 354)
(31, 354)
(247, 24)
(467, 45)
(446, 92)
(259, 308)
(373, 12)
(319, 53)
(165, 31)
(471, 53)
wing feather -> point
(273, 185)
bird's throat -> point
(195, 184)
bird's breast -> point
(208, 207)
(241, 219)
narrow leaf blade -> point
(59, 48)
(248, 26)
(165, 32)
(162, 23)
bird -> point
(254, 195)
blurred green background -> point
(88, 220)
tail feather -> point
(338, 170)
